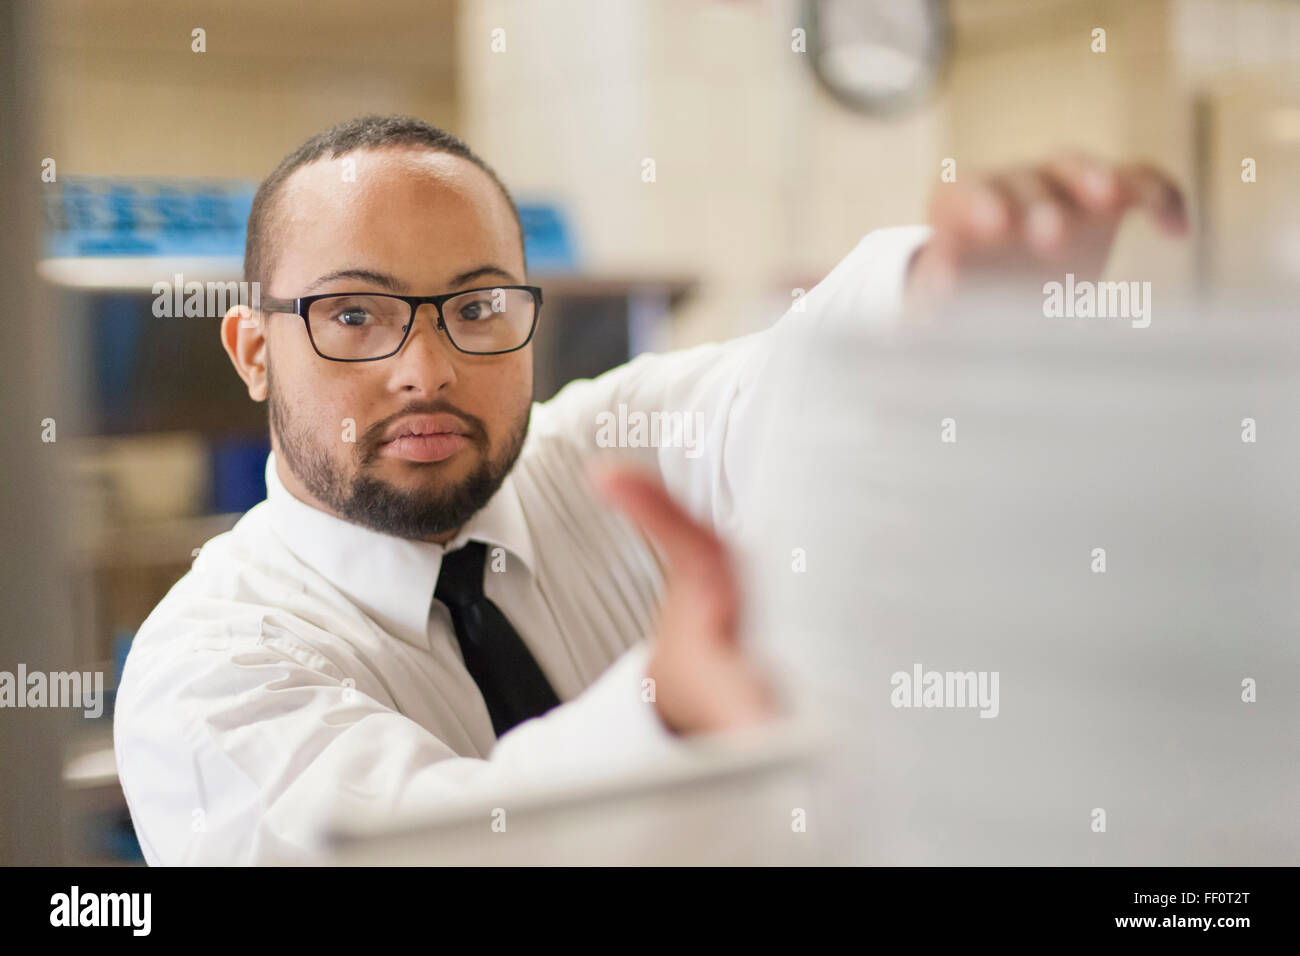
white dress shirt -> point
(301, 675)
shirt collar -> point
(390, 579)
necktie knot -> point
(460, 579)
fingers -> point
(1023, 207)
(974, 212)
(1046, 207)
(695, 555)
(1146, 187)
(1091, 183)
(1043, 212)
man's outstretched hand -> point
(1032, 224)
(704, 681)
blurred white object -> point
(1120, 692)
(741, 801)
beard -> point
(429, 511)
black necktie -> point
(512, 684)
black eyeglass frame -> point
(302, 305)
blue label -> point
(105, 216)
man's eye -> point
(473, 311)
(352, 317)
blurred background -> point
(778, 132)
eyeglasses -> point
(367, 326)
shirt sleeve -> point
(251, 753)
(690, 415)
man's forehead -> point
(394, 207)
(353, 183)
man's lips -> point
(424, 447)
(425, 438)
(426, 425)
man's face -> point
(413, 222)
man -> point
(432, 603)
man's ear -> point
(243, 336)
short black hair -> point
(364, 132)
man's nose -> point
(427, 360)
